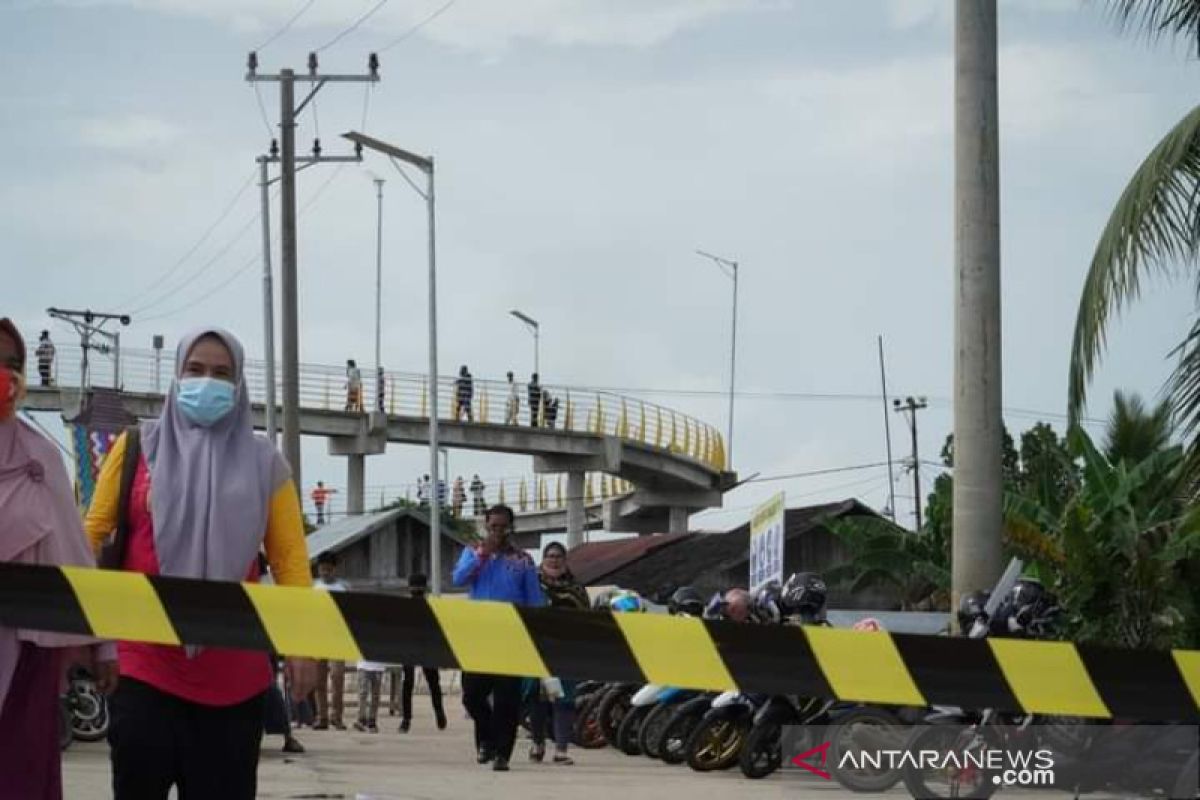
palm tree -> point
(1134, 433)
(1153, 229)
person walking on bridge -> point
(464, 393)
(45, 358)
(320, 498)
(478, 504)
(512, 406)
(354, 387)
(458, 497)
(196, 494)
(496, 569)
(535, 401)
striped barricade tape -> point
(890, 669)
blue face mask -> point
(205, 401)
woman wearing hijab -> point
(39, 524)
(561, 591)
(207, 494)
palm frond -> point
(1158, 18)
(1154, 227)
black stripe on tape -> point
(956, 672)
(1143, 684)
(211, 613)
(39, 597)
(395, 630)
(773, 659)
(581, 644)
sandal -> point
(537, 753)
(563, 760)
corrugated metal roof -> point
(341, 534)
(592, 561)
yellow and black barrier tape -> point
(882, 668)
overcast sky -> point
(585, 149)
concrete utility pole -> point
(909, 408)
(88, 323)
(290, 329)
(976, 555)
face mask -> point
(11, 392)
(205, 401)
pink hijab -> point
(39, 524)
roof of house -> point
(102, 410)
(346, 531)
(680, 558)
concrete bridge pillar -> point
(575, 509)
(677, 519)
(356, 468)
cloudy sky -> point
(585, 149)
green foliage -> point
(1133, 433)
(883, 554)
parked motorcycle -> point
(716, 742)
(763, 752)
(653, 728)
(85, 709)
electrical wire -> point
(353, 26)
(145, 290)
(445, 7)
(767, 478)
(410, 181)
(287, 25)
(262, 110)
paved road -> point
(428, 764)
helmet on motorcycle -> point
(803, 595)
(715, 607)
(972, 607)
(626, 600)
(686, 601)
(1026, 610)
(765, 605)
(602, 599)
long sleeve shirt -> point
(508, 576)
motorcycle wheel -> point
(672, 748)
(581, 702)
(715, 744)
(612, 711)
(763, 752)
(628, 734)
(933, 784)
(89, 711)
(849, 732)
(588, 733)
(650, 735)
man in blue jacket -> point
(496, 570)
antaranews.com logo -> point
(1006, 767)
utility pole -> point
(290, 329)
(88, 323)
(379, 296)
(909, 407)
(976, 552)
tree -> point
(1132, 432)
(1153, 229)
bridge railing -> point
(525, 494)
(324, 387)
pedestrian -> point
(320, 498)
(512, 406)
(40, 525)
(423, 492)
(458, 497)
(205, 495)
(45, 358)
(354, 387)
(370, 682)
(554, 714)
(417, 583)
(330, 671)
(464, 392)
(478, 504)
(380, 390)
(495, 569)
(535, 401)
(276, 719)
(551, 408)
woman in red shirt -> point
(207, 495)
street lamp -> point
(730, 268)
(425, 164)
(533, 326)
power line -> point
(262, 110)
(287, 25)
(445, 7)
(353, 26)
(814, 473)
(145, 290)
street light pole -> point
(379, 296)
(268, 300)
(536, 328)
(732, 267)
(425, 164)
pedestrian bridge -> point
(672, 463)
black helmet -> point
(972, 607)
(1028, 610)
(687, 601)
(803, 595)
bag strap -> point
(113, 555)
